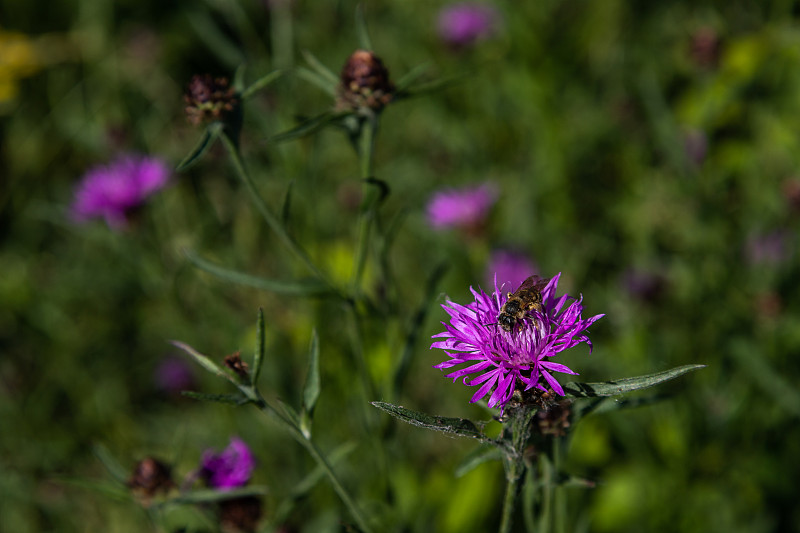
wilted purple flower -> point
(464, 23)
(174, 374)
(465, 208)
(230, 469)
(510, 268)
(505, 360)
(115, 190)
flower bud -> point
(208, 99)
(365, 83)
(150, 477)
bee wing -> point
(533, 282)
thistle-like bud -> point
(240, 515)
(150, 477)
(235, 363)
(365, 83)
(208, 99)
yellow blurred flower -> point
(18, 59)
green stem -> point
(520, 421)
(366, 149)
(559, 502)
(271, 220)
(512, 486)
(315, 453)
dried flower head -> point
(463, 24)
(229, 469)
(150, 476)
(208, 99)
(364, 83)
(240, 514)
(520, 359)
(464, 208)
(115, 191)
(235, 363)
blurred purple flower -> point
(115, 190)
(174, 374)
(229, 469)
(643, 284)
(501, 358)
(464, 208)
(510, 267)
(766, 248)
(464, 23)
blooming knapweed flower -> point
(509, 267)
(464, 208)
(229, 469)
(464, 23)
(116, 190)
(506, 361)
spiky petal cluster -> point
(499, 361)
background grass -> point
(590, 117)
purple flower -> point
(230, 469)
(510, 268)
(464, 23)
(174, 374)
(465, 208)
(505, 360)
(115, 190)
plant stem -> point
(315, 454)
(271, 220)
(520, 422)
(559, 503)
(366, 149)
(509, 501)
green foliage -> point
(633, 152)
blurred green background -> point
(647, 150)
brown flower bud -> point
(208, 99)
(364, 83)
(150, 477)
(240, 514)
(235, 363)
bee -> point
(527, 298)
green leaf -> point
(323, 71)
(261, 83)
(361, 29)
(477, 457)
(411, 76)
(307, 287)
(236, 399)
(205, 362)
(213, 495)
(453, 426)
(215, 39)
(606, 404)
(312, 386)
(258, 356)
(208, 138)
(110, 462)
(311, 125)
(621, 386)
(430, 87)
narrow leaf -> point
(411, 76)
(215, 39)
(235, 399)
(361, 29)
(309, 126)
(258, 356)
(314, 78)
(214, 495)
(205, 361)
(621, 386)
(261, 83)
(606, 404)
(320, 68)
(110, 462)
(287, 205)
(282, 287)
(312, 386)
(453, 426)
(429, 87)
(208, 138)
(479, 456)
